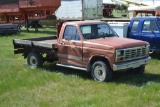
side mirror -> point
(68, 38)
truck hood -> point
(116, 42)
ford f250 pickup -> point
(92, 46)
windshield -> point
(95, 31)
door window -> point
(153, 26)
(71, 32)
(135, 26)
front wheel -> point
(34, 60)
(101, 72)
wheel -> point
(139, 70)
(34, 60)
(19, 30)
(101, 72)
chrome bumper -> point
(131, 64)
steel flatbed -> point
(49, 42)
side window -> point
(146, 25)
(135, 26)
(149, 25)
(71, 32)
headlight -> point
(147, 49)
(119, 53)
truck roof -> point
(84, 22)
(147, 17)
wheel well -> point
(25, 54)
(43, 52)
(27, 51)
(97, 58)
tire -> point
(34, 60)
(140, 70)
(19, 30)
(101, 72)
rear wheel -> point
(34, 60)
(101, 72)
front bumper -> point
(131, 64)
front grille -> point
(133, 53)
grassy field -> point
(53, 86)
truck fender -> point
(94, 58)
(26, 52)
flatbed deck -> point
(49, 42)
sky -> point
(143, 1)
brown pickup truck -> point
(91, 46)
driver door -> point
(70, 47)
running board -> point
(70, 66)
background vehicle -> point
(146, 29)
(140, 28)
(27, 11)
(80, 10)
(9, 29)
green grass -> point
(53, 86)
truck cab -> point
(88, 45)
(146, 29)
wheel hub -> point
(33, 61)
(99, 72)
